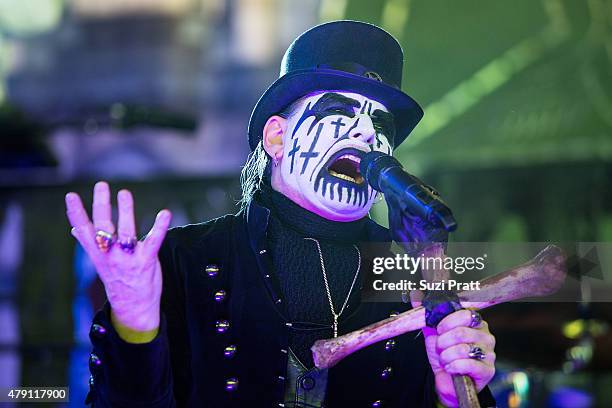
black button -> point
(94, 361)
(307, 383)
(97, 330)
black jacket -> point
(218, 274)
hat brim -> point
(296, 84)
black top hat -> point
(343, 56)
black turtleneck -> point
(298, 267)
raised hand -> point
(129, 269)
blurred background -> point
(155, 96)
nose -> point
(364, 130)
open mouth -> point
(346, 167)
(340, 179)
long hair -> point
(257, 169)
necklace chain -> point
(329, 298)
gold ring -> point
(104, 240)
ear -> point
(273, 133)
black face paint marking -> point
(337, 123)
(292, 153)
(328, 184)
(330, 103)
(384, 124)
(378, 141)
(363, 108)
(369, 108)
(311, 153)
(318, 184)
(344, 136)
(301, 120)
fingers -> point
(77, 216)
(463, 334)
(126, 227)
(477, 370)
(461, 352)
(82, 228)
(156, 236)
(102, 211)
(457, 319)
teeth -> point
(359, 179)
(342, 176)
(350, 157)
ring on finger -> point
(476, 319)
(128, 244)
(104, 240)
(476, 352)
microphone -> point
(385, 174)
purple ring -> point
(128, 245)
(476, 319)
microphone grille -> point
(373, 163)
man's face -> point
(322, 145)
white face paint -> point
(322, 146)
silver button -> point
(229, 351)
(263, 251)
(390, 345)
(393, 313)
(212, 270)
(222, 326)
(386, 373)
(231, 384)
(220, 295)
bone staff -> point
(465, 389)
(541, 276)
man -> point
(224, 313)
